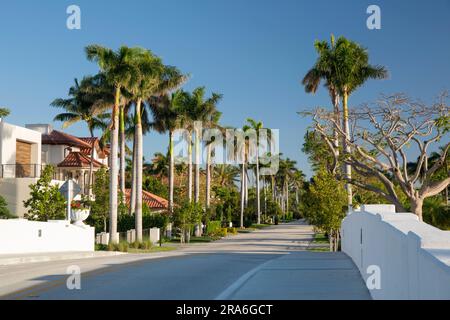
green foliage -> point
(232, 231)
(186, 216)
(223, 232)
(46, 202)
(4, 211)
(325, 202)
(4, 112)
(100, 207)
(436, 212)
(126, 222)
(154, 185)
(213, 227)
(229, 204)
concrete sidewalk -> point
(301, 276)
(15, 259)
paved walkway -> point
(267, 264)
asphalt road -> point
(267, 264)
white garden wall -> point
(19, 236)
(413, 257)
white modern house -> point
(20, 164)
(24, 152)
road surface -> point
(266, 264)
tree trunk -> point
(133, 179)
(91, 166)
(139, 165)
(348, 168)
(171, 171)
(242, 192)
(122, 154)
(197, 167)
(208, 175)
(190, 166)
(113, 172)
(258, 196)
(416, 207)
(246, 186)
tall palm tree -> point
(166, 112)
(200, 108)
(352, 70)
(322, 70)
(121, 71)
(212, 121)
(257, 126)
(344, 65)
(285, 174)
(88, 100)
(150, 68)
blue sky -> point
(254, 52)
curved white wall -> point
(22, 236)
(413, 257)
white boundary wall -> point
(18, 236)
(413, 257)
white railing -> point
(412, 257)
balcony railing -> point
(25, 171)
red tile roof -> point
(78, 160)
(152, 200)
(61, 138)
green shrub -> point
(120, 247)
(223, 232)
(4, 212)
(232, 231)
(213, 227)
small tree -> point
(4, 211)
(100, 207)
(185, 217)
(46, 202)
(325, 203)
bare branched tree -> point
(383, 136)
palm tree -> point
(88, 100)
(345, 66)
(225, 174)
(130, 129)
(4, 112)
(121, 71)
(322, 70)
(212, 120)
(150, 68)
(352, 70)
(257, 126)
(285, 174)
(166, 112)
(199, 108)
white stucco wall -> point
(413, 257)
(19, 236)
(9, 134)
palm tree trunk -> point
(348, 168)
(190, 166)
(91, 164)
(122, 154)
(242, 194)
(246, 185)
(258, 197)
(171, 171)
(208, 176)
(133, 179)
(113, 172)
(197, 167)
(139, 165)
